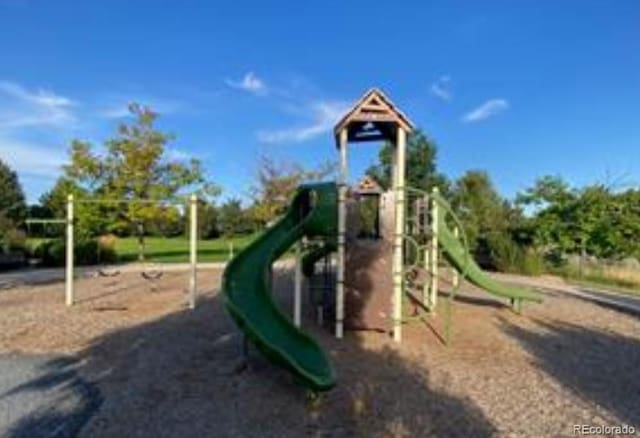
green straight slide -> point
(460, 258)
(247, 290)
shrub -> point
(86, 252)
(532, 262)
(13, 248)
(14, 241)
(503, 251)
(50, 252)
(508, 256)
(108, 240)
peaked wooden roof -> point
(368, 186)
(373, 118)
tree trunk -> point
(141, 243)
(583, 256)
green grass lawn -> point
(176, 249)
(173, 249)
(616, 279)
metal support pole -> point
(399, 190)
(426, 285)
(455, 279)
(326, 275)
(193, 238)
(69, 262)
(297, 290)
(342, 226)
(433, 300)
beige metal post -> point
(342, 219)
(427, 248)
(455, 279)
(193, 235)
(399, 191)
(328, 262)
(434, 252)
(394, 174)
(230, 244)
(69, 268)
(297, 292)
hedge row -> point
(86, 252)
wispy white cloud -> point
(39, 97)
(114, 111)
(178, 154)
(440, 88)
(32, 159)
(325, 115)
(32, 123)
(22, 108)
(36, 125)
(251, 83)
(488, 109)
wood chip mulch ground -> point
(164, 370)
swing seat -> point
(107, 272)
(155, 274)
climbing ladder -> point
(421, 265)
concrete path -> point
(607, 298)
(34, 276)
(43, 396)
(47, 275)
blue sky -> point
(520, 89)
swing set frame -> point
(191, 203)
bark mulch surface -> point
(148, 366)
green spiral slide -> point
(456, 254)
(247, 295)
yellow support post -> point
(193, 251)
(342, 226)
(69, 298)
(398, 253)
(455, 279)
(433, 293)
(426, 281)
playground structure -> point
(372, 275)
(190, 205)
(147, 345)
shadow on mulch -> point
(479, 301)
(598, 366)
(179, 376)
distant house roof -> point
(373, 118)
(368, 186)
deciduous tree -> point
(421, 169)
(136, 166)
(233, 219)
(12, 200)
(276, 183)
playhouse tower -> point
(373, 118)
